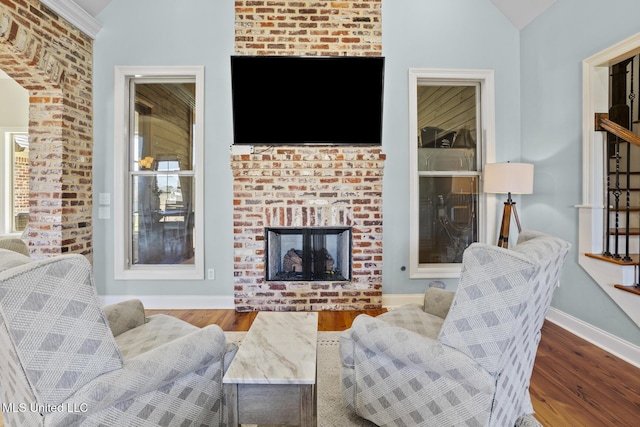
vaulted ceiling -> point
(519, 12)
(522, 12)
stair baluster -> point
(627, 257)
(617, 135)
(616, 207)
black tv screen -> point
(288, 100)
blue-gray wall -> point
(538, 118)
(553, 47)
(167, 32)
(436, 34)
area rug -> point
(331, 411)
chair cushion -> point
(159, 329)
(438, 301)
(413, 318)
(124, 316)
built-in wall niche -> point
(308, 254)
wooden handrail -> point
(604, 124)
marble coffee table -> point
(272, 378)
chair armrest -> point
(14, 244)
(10, 259)
(151, 370)
(438, 301)
(124, 316)
(410, 350)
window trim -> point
(487, 223)
(123, 269)
(6, 179)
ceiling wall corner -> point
(76, 15)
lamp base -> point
(503, 237)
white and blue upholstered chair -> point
(463, 358)
(64, 361)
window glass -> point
(162, 175)
(448, 217)
(447, 167)
(162, 222)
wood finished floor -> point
(574, 383)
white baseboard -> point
(618, 347)
(178, 302)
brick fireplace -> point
(308, 187)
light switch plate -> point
(104, 213)
(104, 198)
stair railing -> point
(621, 134)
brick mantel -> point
(308, 187)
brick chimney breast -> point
(308, 187)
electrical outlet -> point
(211, 274)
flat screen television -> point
(290, 100)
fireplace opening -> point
(308, 254)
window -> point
(14, 157)
(158, 219)
(451, 127)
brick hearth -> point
(300, 187)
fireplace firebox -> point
(308, 254)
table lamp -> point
(508, 178)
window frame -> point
(486, 134)
(124, 269)
(6, 179)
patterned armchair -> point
(463, 359)
(66, 362)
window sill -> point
(161, 272)
(436, 271)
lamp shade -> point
(515, 178)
